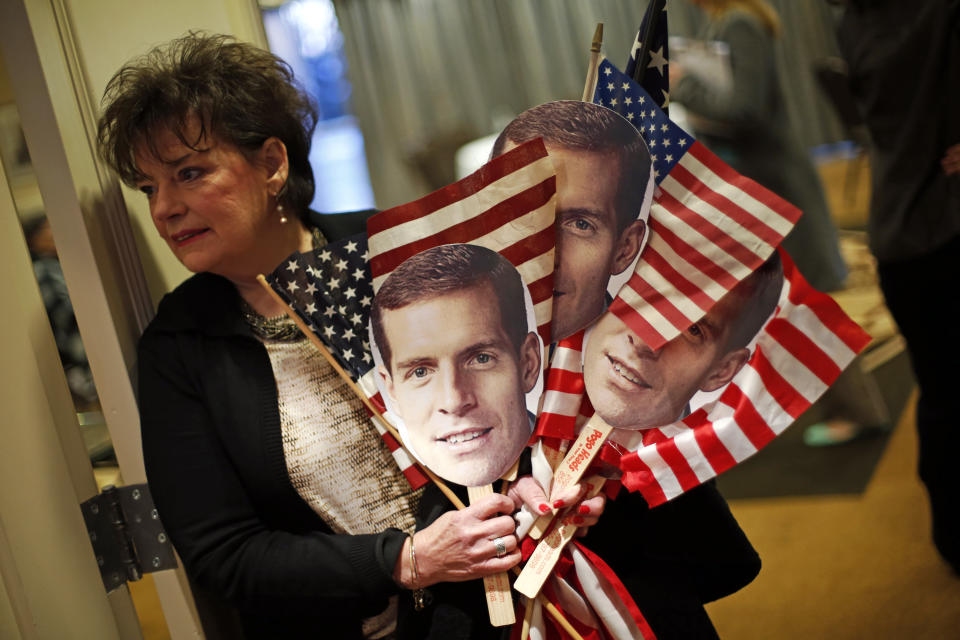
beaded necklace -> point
(278, 328)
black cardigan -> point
(215, 464)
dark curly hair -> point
(240, 93)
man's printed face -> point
(586, 236)
(458, 383)
(631, 386)
(589, 247)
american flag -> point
(655, 79)
(799, 354)
(330, 289)
(709, 226)
(565, 405)
(507, 205)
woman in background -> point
(748, 127)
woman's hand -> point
(460, 546)
(584, 513)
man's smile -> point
(622, 372)
(466, 435)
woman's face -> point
(214, 207)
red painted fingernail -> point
(583, 510)
(544, 507)
(578, 520)
(558, 504)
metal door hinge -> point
(126, 533)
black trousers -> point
(923, 294)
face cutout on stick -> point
(604, 190)
(457, 360)
(632, 386)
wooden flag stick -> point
(496, 586)
(555, 613)
(552, 610)
(527, 618)
(559, 617)
(353, 385)
(593, 64)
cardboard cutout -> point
(604, 190)
(678, 327)
(458, 360)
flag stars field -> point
(330, 288)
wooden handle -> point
(545, 556)
(593, 64)
(497, 586)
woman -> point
(748, 127)
(276, 491)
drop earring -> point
(283, 217)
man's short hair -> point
(447, 269)
(755, 297)
(583, 126)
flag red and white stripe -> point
(563, 392)
(508, 205)
(799, 353)
(709, 229)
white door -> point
(46, 474)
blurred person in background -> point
(747, 125)
(904, 73)
(56, 300)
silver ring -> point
(501, 548)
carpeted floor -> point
(846, 567)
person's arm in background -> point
(752, 70)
